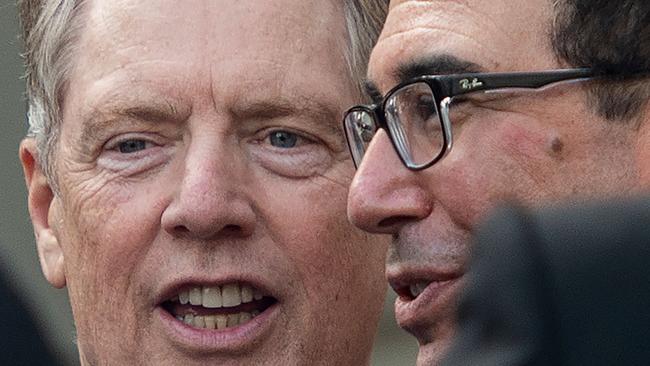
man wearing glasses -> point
(477, 102)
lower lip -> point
(226, 340)
(429, 304)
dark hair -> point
(611, 37)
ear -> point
(40, 204)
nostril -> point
(181, 229)
(209, 217)
(228, 230)
(396, 221)
(234, 230)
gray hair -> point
(364, 21)
(49, 28)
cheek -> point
(106, 239)
(312, 226)
(338, 267)
(505, 160)
(309, 221)
(103, 249)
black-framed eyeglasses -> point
(417, 115)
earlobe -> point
(51, 257)
(40, 202)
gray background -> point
(17, 249)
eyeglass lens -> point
(414, 123)
(360, 127)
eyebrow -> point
(282, 107)
(372, 90)
(98, 119)
(435, 65)
(440, 64)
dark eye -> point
(131, 146)
(426, 107)
(283, 139)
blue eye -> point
(283, 139)
(131, 146)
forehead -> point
(194, 38)
(137, 21)
(495, 35)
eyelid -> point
(492, 95)
(114, 142)
(306, 159)
(265, 134)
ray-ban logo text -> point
(467, 84)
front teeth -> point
(231, 295)
(212, 297)
(418, 288)
(217, 321)
(195, 296)
(246, 294)
(221, 321)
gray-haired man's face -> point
(201, 159)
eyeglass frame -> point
(445, 87)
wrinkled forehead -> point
(220, 30)
(494, 35)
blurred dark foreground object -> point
(559, 286)
(20, 341)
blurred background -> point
(18, 259)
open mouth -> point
(218, 307)
(412, 291)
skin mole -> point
(557, 146)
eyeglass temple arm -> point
(469, 83)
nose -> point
(385, 195)
(212, 199)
